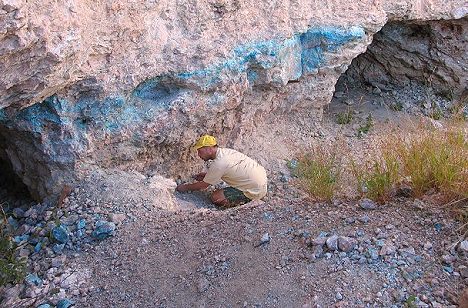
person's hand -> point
(181, 188)
(200, 176)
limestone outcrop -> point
(108, 83)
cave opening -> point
(14, 193)
(418, 67)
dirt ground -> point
(264, 254)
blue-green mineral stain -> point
(271, 62)
(81, 224)
(33, 279)
(303, 53)
(60, 234)
(64, 303)
(103, 229)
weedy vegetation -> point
(377, 179)
(12, 268)
(428, 159)
(343, 118)
(366, 127)
(319, 174)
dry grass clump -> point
(319, 173)
(376, 179)
(435, 159)
(428, 159)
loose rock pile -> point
(49, 236)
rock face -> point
(119, 82)
(431, 53)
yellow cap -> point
(205, 141)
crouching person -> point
(247, 178)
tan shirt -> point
(239, 171)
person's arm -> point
(191, 187)
(200, 176)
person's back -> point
(239, 171)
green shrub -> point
(398, 106)
(12, 269)
(319, 174)
(364, 129)
(344, 117)
(436, 160)
(436, 113)
(376, 180)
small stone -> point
(427, 246)
(38, 247)
(284, 178)
(32, 213)
(58, 261)
(31, 292)
(13, 223)
(338, 296)
(44, 306)
(203, 284)
(438, 227)
(64, 303)
(21, 238)
(58, 248)
(319, 241)
(448, 269)
(387, 249)
(332, 242)
(117, 218)
(463, 271)
(265, 238)
(18, 212)
(408, 250)
(24, 252)
(33, 279)
(60, 234)
(463, 246)
(346, 244)
(317, 251)
(367, 204)
(372, 253)
(81, 224)
(448, 259)
(103, 230)
(419, 204)
(380, 243)
(382, 235)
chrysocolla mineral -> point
(103, 229)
